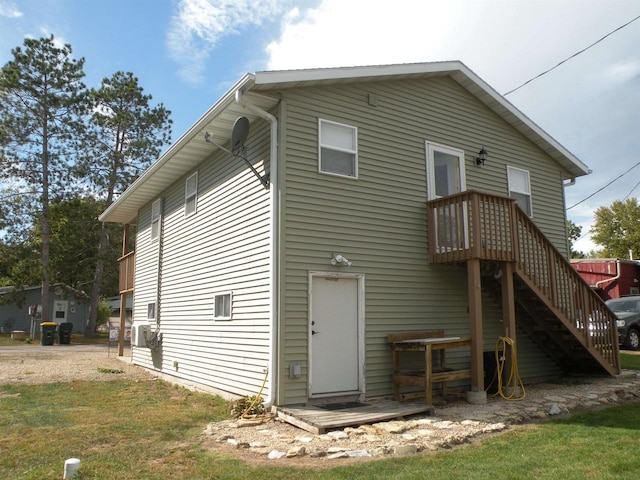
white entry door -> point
(336, 340)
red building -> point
(611, 277)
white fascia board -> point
(345, 73)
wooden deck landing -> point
(318, 420)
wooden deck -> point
(318, 420)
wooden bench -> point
(427, 342)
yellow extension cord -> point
(514, 381)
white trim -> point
(360, 277)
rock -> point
(354, 431)
(368, 429)
(392, 427)
(408, 449)
(335, 449)
(555, 410)
(303, 439)
(444, 424)
(337, 435)
(338, 455)
(298, 451)
(470, 422)
(276, 454)
(257, 445)
(358, 453)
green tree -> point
(617, 228)
(126, 134)
(574, 232)
(74, 236)
(41, 102)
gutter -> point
(273, 247)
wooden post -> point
(475, 318)
(508, 313)
(123, 296)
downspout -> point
(597, 285)
(273, 247)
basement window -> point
(338, 149)
(222, 306)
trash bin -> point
(64, 333)
(47, 333)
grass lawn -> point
(630, 360)
(150, 430)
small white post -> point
(71, 466)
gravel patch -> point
(34, 364)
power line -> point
(572, 56)
(602, 188)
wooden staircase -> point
(553, 304)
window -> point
(190, 194)
(520, 188)
(222, 306)
(151, 311)
(155, 219)
(338, 149)
(445, 171)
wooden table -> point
(429, 344)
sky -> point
(187, 53)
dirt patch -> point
(34, 364)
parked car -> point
(627, 309)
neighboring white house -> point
(287, 258)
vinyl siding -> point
(223, 247)
(379, 222)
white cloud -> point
(199, 25)
(9, 10)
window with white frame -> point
(151, 311)
(222, 306)
(520, 188)
(156, 214)
(338, 150)
(191, 195)
(445, 171)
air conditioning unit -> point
(139, 334)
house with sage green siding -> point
(309, 214)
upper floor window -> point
(520, 188)
(156, 214)
(191, 194)
(445, 171)
(338, 149)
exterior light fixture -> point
(338, 259)
(482, 157)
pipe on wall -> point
(273, 247)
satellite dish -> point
(239, 134)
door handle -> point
(313, 332)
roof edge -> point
(368, 71)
